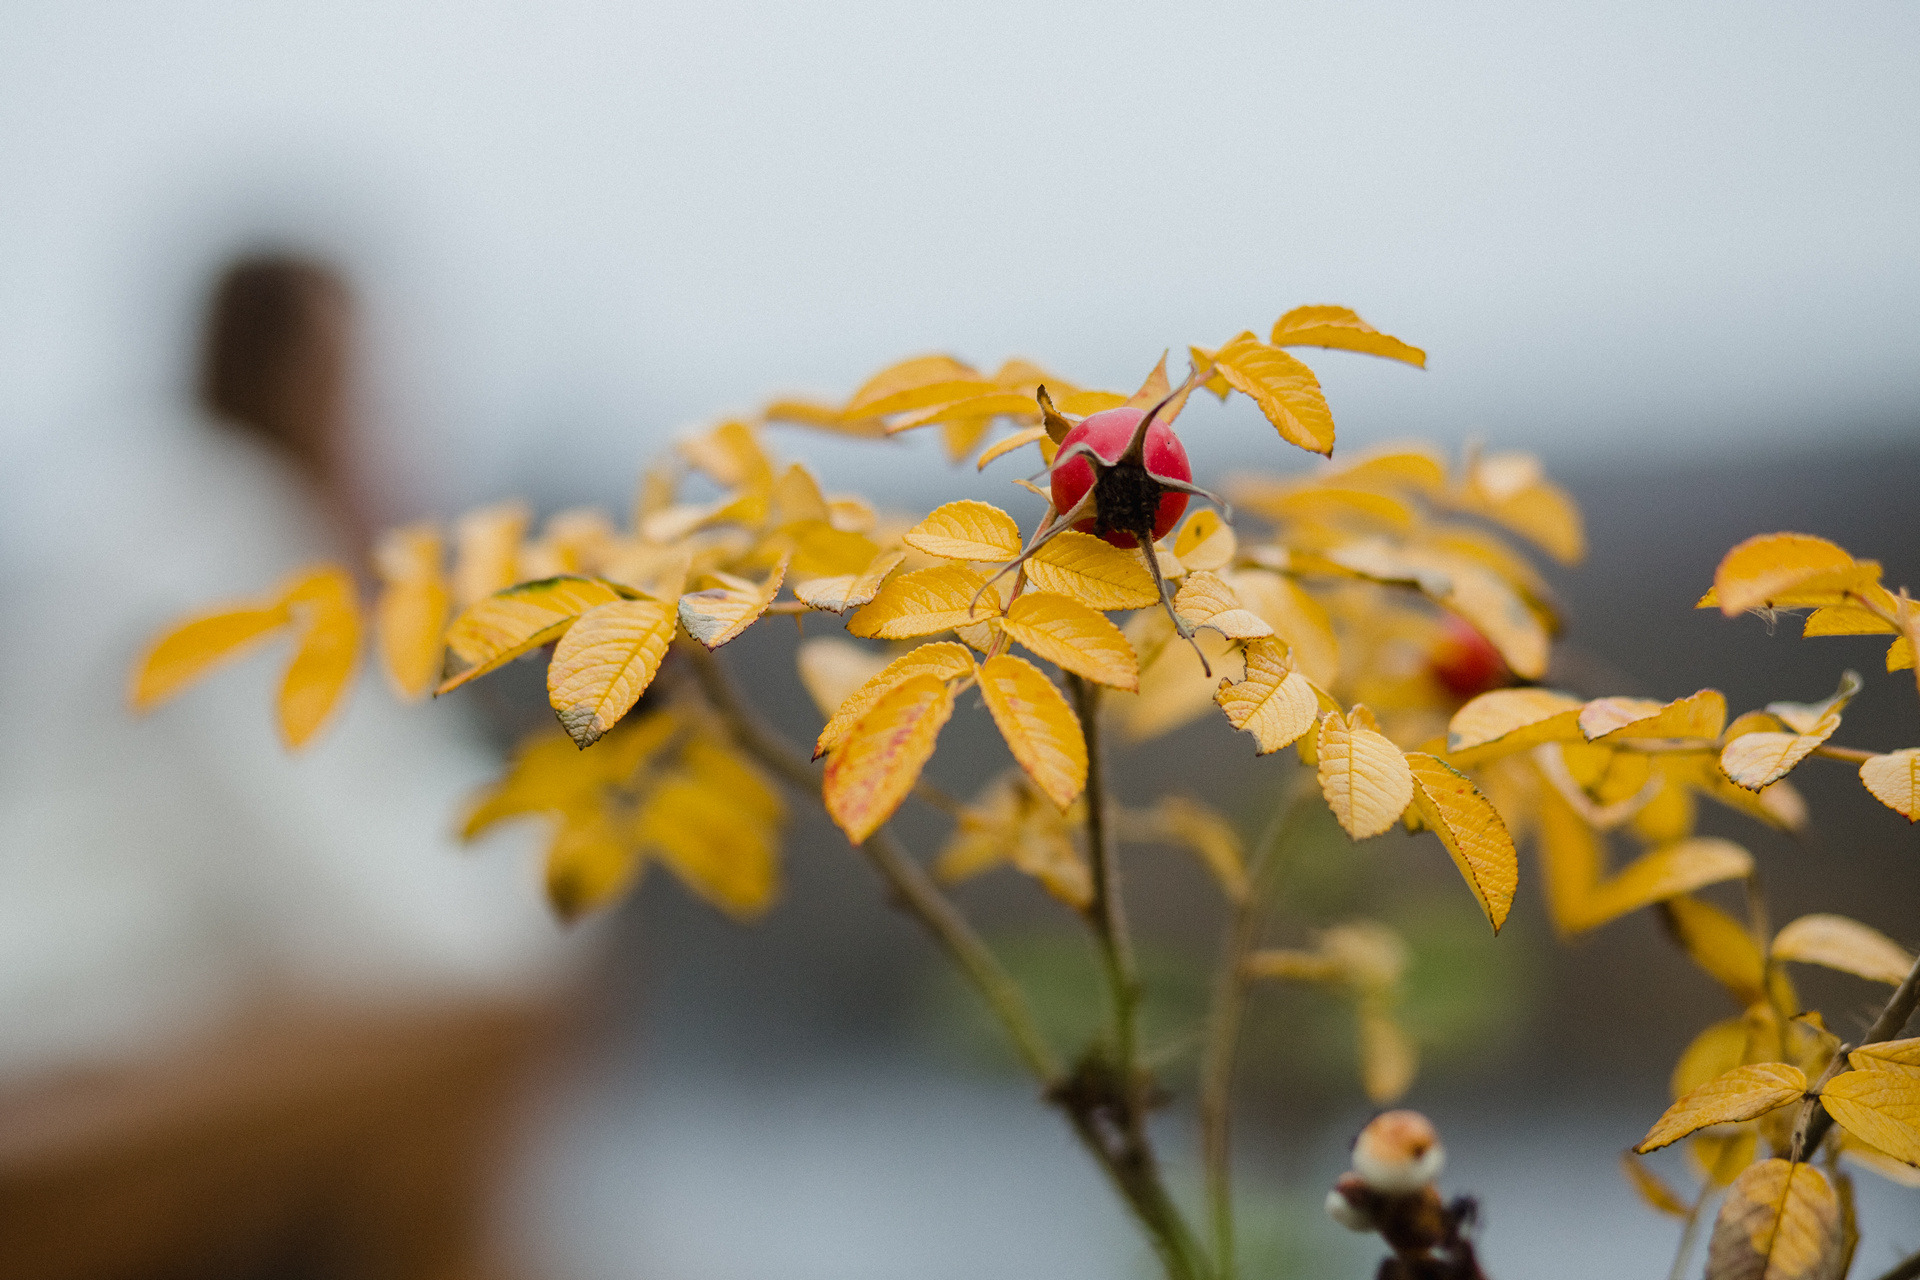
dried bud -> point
(1344, 1203)
(1398, 1152)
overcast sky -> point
(1655, 227)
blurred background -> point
(1668, 248)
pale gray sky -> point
(1645, 226)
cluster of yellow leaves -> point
(1367, 961)
(662, 785)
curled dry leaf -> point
(1285, 389)
(1073, 637)
(604, 662)
(1296, 617)
(1205, 600)
(1881, 1108)
(943, 659)
(1780, 1221)
(1472, 831)
(1092, 571)
(494, 631)
(880, 758)
(1275, 703)
(1894, 780)
(845, 591)
(1364, 777)
(925, 602)
(1847, 945)
(966, 530)
(1040, 728)
(1744, 1093)
(1205, 541)
(715, 616)
(1699, 715)
(1018, 440)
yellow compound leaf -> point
(1074, 638)
(1888, 1055)
(589, 864)
(880, 758)
(1651, 1188)
(487, 550)
(845, 591)
(1364, 777)
(1286, 391)
(1780, 1221)
(1786, 570)
(323, 665)
(1296, 618)
(925, 602)
(604, 662)
(1040, 728)
(715, 616)
(720, 848)
(1340, 328)
(1847, 945)
(1472, 831)
(1205, 541)
(1699, 715)
(498, 629)
(1894, 780)
(1275, 703)
(1018, 440)
(944, 659)
(1010, 822)
(1093, 571)
(1388, 1057)
(966, 530)
(1210, 837)
(1513, 720)
(1720, 945)
(1204, 600)
(192, 648)
(1881, 1108)
(1743, 1093)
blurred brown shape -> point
(307, 1141)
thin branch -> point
(1224, 1013)
(1683, 1253)
(1852, 755)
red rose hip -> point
(1128, 498)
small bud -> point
(1398, 1152)
(1345, 1211)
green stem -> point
(1224, 1015)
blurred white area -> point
(1621, 227)
(163, 878)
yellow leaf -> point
(966, 530)
(980, 407)
(1699, 715)
(409, 622)
(925, 602)
(1073, 637)
(1012, 822)
(192, 648)
(1340, 328)
(1040, 728)
(1571, 862)
(1879, 1162)
(944, 659)
(1092, 571)
(323, 665)
(1174, 688)
(1894, 780)
(849, 590)
(487, 549)
(551, 775)
(1286, 391)
(812, 413)
(880, 758)
(715, 616)
(1651, 1188)
(1900, 655)
(721, 849)
(1204, 600)
(589, 863)
(1780, 1221)
(1665, 873)
(1720, 945)
(500, 628)
(832, 668)
(1018, 440)
(1543, 513)
(1514, 719)
(1205, 541)
(1296, 618)
(1399, 466)
(1714, 1052)
(1275, 703)
(1743, 1093)
(1881, 1108)
(819, 550)
(730, 455)
(1472, 831)
(1759, 758)
(1719, 1155)
(1843, 944)
(1780, 569)
(1388, 1058)
(1208, 835)
(1888, 1055)
(604, 662)
(796, 496)
(1364, 777)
